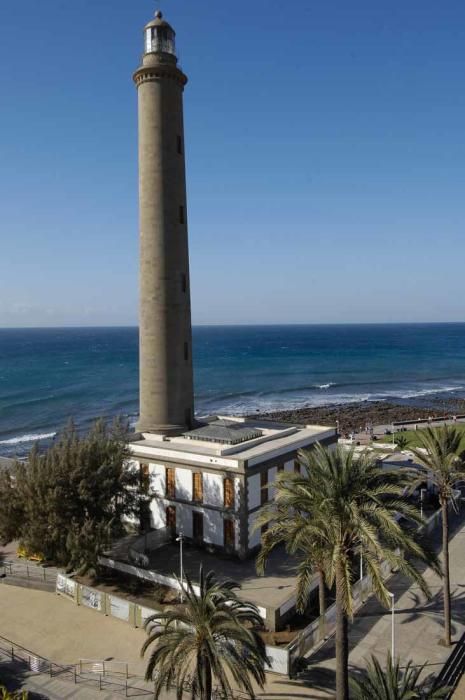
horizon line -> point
(242, 325)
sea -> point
(48, 376)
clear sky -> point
(325, 148)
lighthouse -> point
(165, 330)
(208, 479)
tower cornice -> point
(157, 71)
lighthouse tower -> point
(166, 381)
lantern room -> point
(160, 36)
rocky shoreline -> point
(355, 417)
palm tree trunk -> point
(446, 580)
(342, 643)
(207, 680)
(322, 602)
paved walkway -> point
(460, 692)
(418, 624)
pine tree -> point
(74, 497)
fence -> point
(136, 615)
(101, 675)
(319, 630)
(102, 602)
(32, 572)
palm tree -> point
(393, 683)
(213, 636)
(401, 442)
(440, 464)
(6, 695)
(351, 504)
(299, 533)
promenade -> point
(418, 626)
(58, 630)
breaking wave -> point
(27, 438)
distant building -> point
(208, 479)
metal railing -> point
(104, 667)
(26, 570)
(100, 674)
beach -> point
(356, 417)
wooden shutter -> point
(170, 482)
(229, 534)
(197, 486)
(228, 493)
(197, 526)
(144, 477)
(171, 518)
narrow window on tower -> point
(184, 283)
(179, 141)
(186, 351)
(181, 215)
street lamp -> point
(391, 595)
(422, 492)
(181, 568)
(361, 564)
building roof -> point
(159, 22)
(225, 432)
(265, 440)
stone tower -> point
(166, 381)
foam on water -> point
(51, 375)
(27, 438)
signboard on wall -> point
(91, 598)
(119, 608)
(145, 613)
(66, 586)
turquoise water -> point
(50, 375)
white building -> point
(210, 482)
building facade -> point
(210, 483)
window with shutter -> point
(171, 519)
(197, 527)
(229, 534)
(197, 486)
(144, 477)
(170, 482)
(228, 493)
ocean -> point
(48, 376)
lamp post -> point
(361, 565)
(391, 595)
(422, 492)
(181, 568)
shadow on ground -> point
(316, 675)
(14, 677)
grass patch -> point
(412, 437)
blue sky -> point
(325, 152)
